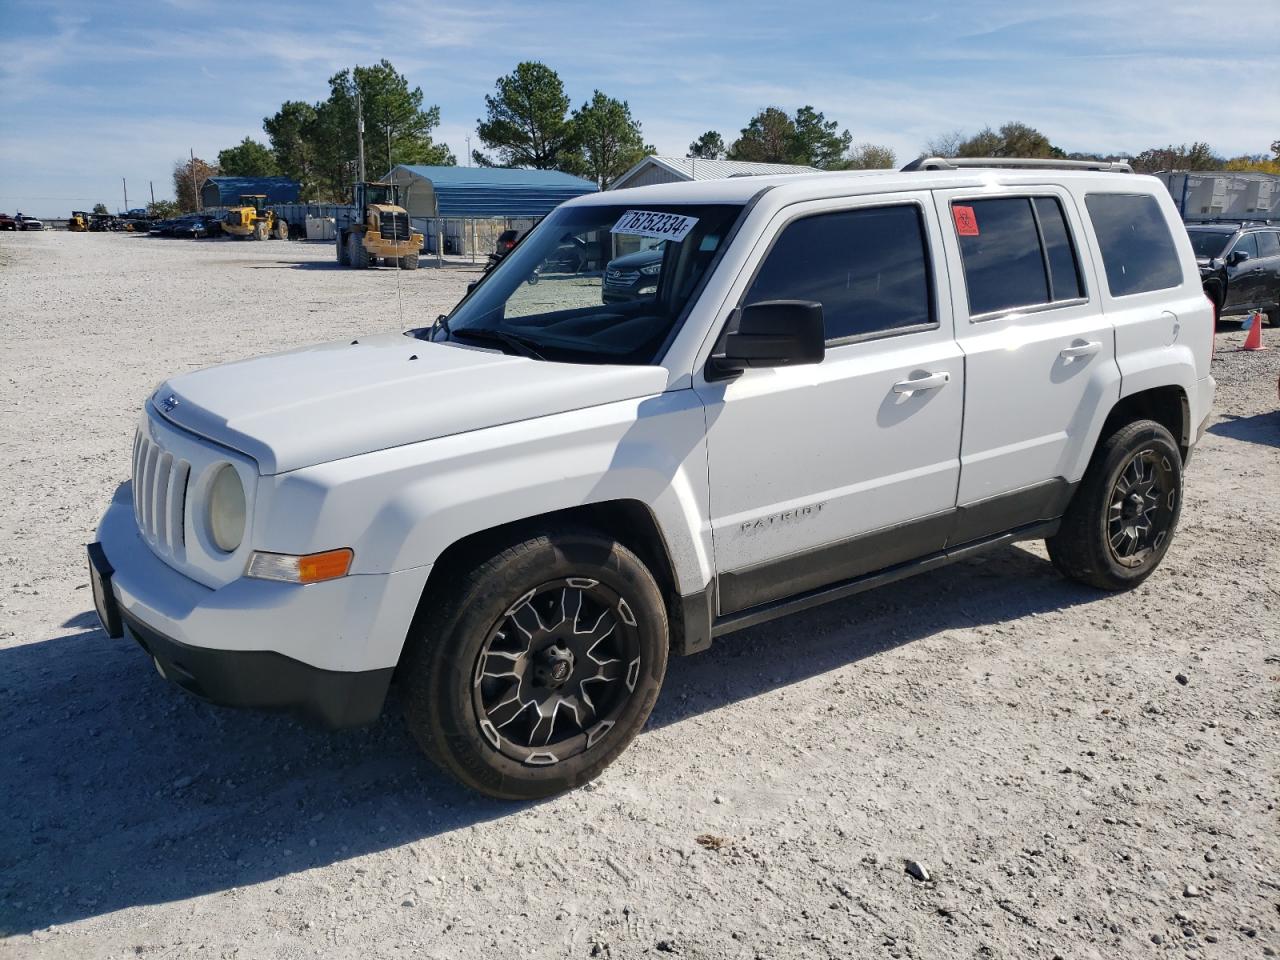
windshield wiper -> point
(512, 341)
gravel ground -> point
(1078, 775)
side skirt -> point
(848, 588)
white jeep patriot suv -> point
(832, 382)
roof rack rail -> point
(1235, 221)
(955, 163)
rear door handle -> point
(931, 382)
(1080, 350)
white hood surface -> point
(321, 403)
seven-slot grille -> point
(394, 226)
(160, 496)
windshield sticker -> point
(966, 221)
(659, 226)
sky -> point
(94, 91)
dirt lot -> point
(1081, 775)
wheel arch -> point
(1167, 405)
(630, 522)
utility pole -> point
(194, 189)
(468, 149)
(152, 185)
(389, 163)
(360, 133)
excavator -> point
(380, 230)
(253, 218)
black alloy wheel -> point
(556, 670)
(1143, 501)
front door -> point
(824, 472)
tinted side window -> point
(1003, 265)
(1064, 271)
(868, 268)
(1268, 244)
(1246, 244)
(1134, 240)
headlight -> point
(226, 509)
(652, 270)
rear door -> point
(1269, 259)
(1039, 353)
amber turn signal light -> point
(311, 568)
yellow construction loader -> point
(378, 230)
(79, 222)
(253, 218)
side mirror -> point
(772, 333)
(472, 285)
(1236, 258)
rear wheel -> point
(409, 263)
(536, 668)
(1121, 521)
(281, 230)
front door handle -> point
(931, 382)
(1080, 350)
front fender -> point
(401, 508)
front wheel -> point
(536, 668)
(409, 263)
(1122, 519)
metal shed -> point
(463, 209)
(653, 170)
(226, 191)
(484, 192)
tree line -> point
(531, 122)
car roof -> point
(1214, 227)
(813, 186)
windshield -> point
(1209, 243)
(574, 289)
(381, 193)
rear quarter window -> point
(1134, 239)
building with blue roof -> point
(484, 193)
(227, 191)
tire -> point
(357, 255)
(260, 230)
(281, 230)
(482, 669)
(410, 262)
(1121, 521)
(341, 246)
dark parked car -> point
(197, 227)
(507, 240)
(1239, 266)
(633, 277)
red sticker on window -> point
(966, 222)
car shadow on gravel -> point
(1263, 428)
(1004, 585)
(120, 790)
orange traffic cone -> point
(1254, 340)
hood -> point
(634, 261)
(316, 404)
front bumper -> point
(326, 650)
(266, 680)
